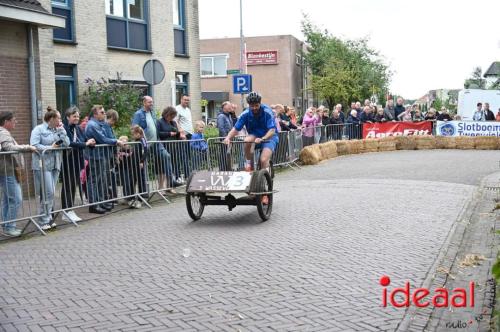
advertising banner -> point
(262, 58)
(468, 128)
(377, 130)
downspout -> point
(32, 78)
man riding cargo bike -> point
(257, 184)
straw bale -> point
(370, 145)
(342, 148)
(310, 155)
(387, 143)
(425, 142)
(405, 143)
(465, 142)
(445, 142)
(328, 150)
(486, 143)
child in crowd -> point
(140, 150)
(199, 146)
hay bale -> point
(328, 150)
(310, 155)
(445, 142)
(425, 142)
(465, 142)
(486, 143)
(387, 143)
(355, 146)
(342, 147)
(370, 145)
(405, 143)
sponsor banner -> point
(468, 128)
(377, 130)
(262, 58)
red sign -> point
(377, 130)
(262, 58)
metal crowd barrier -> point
(65, 179)
(19, 204)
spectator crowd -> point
(87, 158)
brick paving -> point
(315, 266)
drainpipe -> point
(32, 78)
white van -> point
(468, 99)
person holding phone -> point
(48, 137)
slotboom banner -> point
(377, 130)
(468, 128)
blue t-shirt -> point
(257, 125)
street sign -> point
(153, 72)
(232, 71)
(242, 84)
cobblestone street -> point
(336, 228)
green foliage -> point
(495, 270)
(122, 97)
(343, 70)
(438, 103)
(476, 81)
(211, 132)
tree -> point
(476, 81)
(343, 70)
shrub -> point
(120, 96)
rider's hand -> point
(258, 140)
(226, 141)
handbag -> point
(20, 174)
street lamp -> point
(242, 51)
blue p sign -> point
(242, 84)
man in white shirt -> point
(184, 118)
(479, 114)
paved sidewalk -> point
(336, 229)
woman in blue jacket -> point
(47, 137)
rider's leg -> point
(249, 152)
(249, 147)
(265, 156)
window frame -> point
(184, 85)
(125, 18)
(73, 80)
(68, 5)
(213, 56)
(181, 5)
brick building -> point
(21, 22)
(99, 39)
(275, 63)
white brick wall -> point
(95, 60)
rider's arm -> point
(232, 133)
(269, 134)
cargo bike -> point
(231, 187)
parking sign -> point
(242, 84)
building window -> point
(64, 8)
(127, 24)
(213, 65)
(298, 59)
(179, 21)
(65, 86)
(181, 86)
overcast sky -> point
(428, 44)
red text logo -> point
(440, 298)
